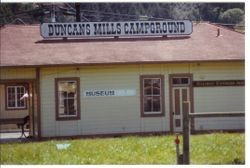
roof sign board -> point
(109, 29)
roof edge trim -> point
(119, 63)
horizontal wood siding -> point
(107, 115)
(219, 99)
(218, 71)
(220, 123)
(100, 115)
(17, 73)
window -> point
(67, 98)
(177, 81)
(13, 97)
(152, 95)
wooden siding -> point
(220, 123)
(107, 115)
(17, 73)
(219, 99)
(218, 71)
(100, 114)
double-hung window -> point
(67, 98)
(13, 97)
(152, 95)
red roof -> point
(23, 46)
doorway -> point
(180, 99)
(18, 100)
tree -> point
(40, 12)
(232, 16)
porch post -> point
(186, 134)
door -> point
(181, 101)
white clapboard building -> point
(115, 78)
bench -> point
(20, 122)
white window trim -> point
(16, 100)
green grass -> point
(205, 149)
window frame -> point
(25, 107)
(162, 96)
(78, 111)
(180, 84)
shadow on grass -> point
(238, 161)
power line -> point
(17, 19)
(71, 11)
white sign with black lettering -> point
(105, 29)
(109, 92)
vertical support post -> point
(53, 13)
(78, 12)
(186, 134)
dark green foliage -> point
(35, 13)
(234, 16)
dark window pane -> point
(148, 91)
(11, 104)
(147, 104)
(18, 103)
(147, 82)
(65, 106)
(156, 103)
(156, 86)
(22, 103)
(19, 96)
(156, 91)
(147, 87)
(18, 90)
(176, 81)
(11, 97)
(156, 83)
(71, 95)
(71, 107)
(64, 94)
(184, 80)
(11, 93)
